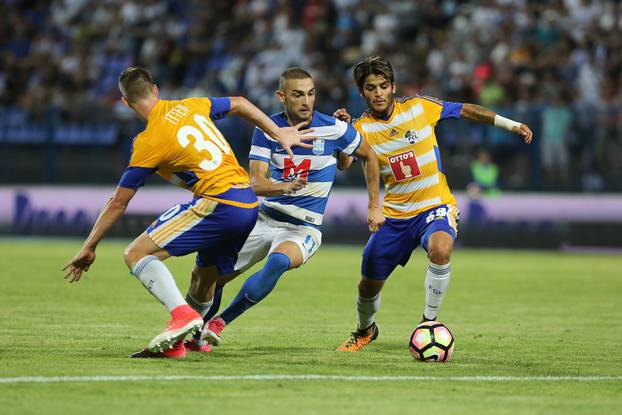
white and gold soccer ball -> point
(431, 342)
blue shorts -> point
(216, 231)
(397, 238)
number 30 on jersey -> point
(215, 144)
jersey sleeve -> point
(438, 110)
(261, 149)
(451, 110)
(134, 177)
(220, 107)
(350, 140)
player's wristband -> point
(505, 123)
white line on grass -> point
(160, 378)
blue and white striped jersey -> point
(318, 165)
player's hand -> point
(375, 219)
(343, 160)
(293, 187)
(79, 264)
(342, 114)
(292, 136)
(525, 132)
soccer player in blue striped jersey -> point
(296, 190)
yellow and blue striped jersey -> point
(410, 163)
(182, 144)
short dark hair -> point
(295, 72)
(374, 65)
(135, 83)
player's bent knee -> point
(133, 254)
(131, 257)
(368, 287)
(440, 246)
(294, 264)
(440, 254)
(293, 253)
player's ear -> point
(155, 90)
(393, 88)
(280, 95)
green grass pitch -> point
(515, 314)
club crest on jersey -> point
(412, 136)
(318, 147)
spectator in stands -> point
(556, 125)
(59, 60)
(485, 174)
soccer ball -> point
(431, 342)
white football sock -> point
(436, 283)
(201, 308)
(156, 277)
(367, 309)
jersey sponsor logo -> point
(292, 171)
(404, 166)
(393, 132)
(318, 147)
(309, 219)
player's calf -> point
(255, 288)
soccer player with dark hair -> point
(182, 144)
(296, 191)
(418, 205)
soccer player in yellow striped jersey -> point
(418, 205)
(182, 144)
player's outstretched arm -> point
(483, 115)
(287, 136)
(375, 218)
(111, 212)
(263, 186)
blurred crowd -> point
(556, 65)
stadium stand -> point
(557, 65)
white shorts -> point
(269, 233)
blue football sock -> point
(257, 286)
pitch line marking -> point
(161, 378)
